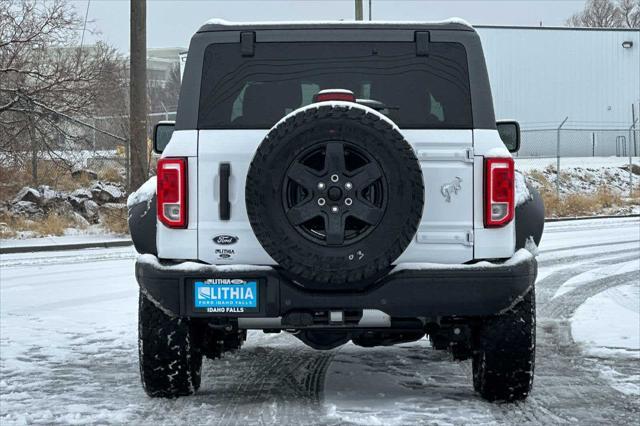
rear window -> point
(255, 92)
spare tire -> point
(334, 194)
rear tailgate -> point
(445, 234)
(236, 243)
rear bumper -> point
(409, 291)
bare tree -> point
(608, 14)
(47, 83)
(164, 97)
(630, 11)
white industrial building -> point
(541, 75)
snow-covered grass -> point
(528, 164)
(588, 186)
(53, 224)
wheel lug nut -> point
(348, 186)
(321, 201)
(321, 186)
(348, 201)
(335, 178)
(334, 209)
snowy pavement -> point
(68, 351)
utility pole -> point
(369, 10)
(138, 95)
(358, 10)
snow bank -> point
(93, 234)
(144, 193)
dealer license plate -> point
(226, 293)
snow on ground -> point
(585, 176)
(598, 273)
(68, 352)
(610, 320)
(72, 238)
(528, 164)
(608, 325)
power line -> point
(84, 28)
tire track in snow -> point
(564, 305)
(583, 246)
(609, 255)
(286, 382)
(547, 286)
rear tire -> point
(170, 364)
(504, 359)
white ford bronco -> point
(342, 182)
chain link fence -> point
(584, 159)
(111, 152)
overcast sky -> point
(171, 23)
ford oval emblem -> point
(225, 240)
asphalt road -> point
(68, 353)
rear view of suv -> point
(344, 182)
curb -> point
(126, 243)
(60, 247)
(566, 219)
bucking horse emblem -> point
(452, 187)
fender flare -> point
(142, 226)
(530, 219)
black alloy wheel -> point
(334, 193)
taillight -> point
(334, 95)
(172, 192)
(498, 191)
